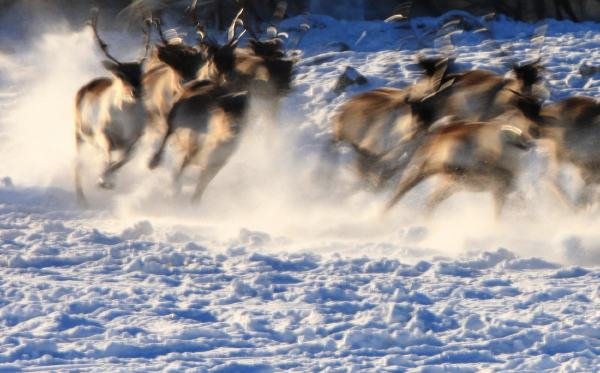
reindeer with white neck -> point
(110, 114)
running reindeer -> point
(571, 132)
(205, 123)
(174, 64)
(380, 124)
(262, 68)
(473, 155)
(109, 113)
(204, 126)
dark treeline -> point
(21, 19)
(220, 12)
(525, 10)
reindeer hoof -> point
(106, 184)
(154, 162)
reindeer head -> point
(434, 65)
(271, 49)
(223, 56)
(182, 58)
(530, 79)
(530, 107)
(130, 73)
(529, 73)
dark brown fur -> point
(572, 128)
(367, 121)
(204, 126)
(476, 155)
(374, 123)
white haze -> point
(274, 183)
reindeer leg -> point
(386, 173)
(206, 177)
(552, 176)
(443, 190)
(561, 194)
(396, 160)
(78, 187)
(500, 192)
(367, 167)
(114, 166)
(187, 159)
(105, 144)
(326, 170)
(586, 196)
(157, 157)
(409, 180)
(499, 202)
(216, 160)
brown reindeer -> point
(374, 123)
(379, 124)
(204, 126)
(572, 128)
(110, 114)
(473, 155)
(479, 95)
(262, 68)
(174, 64)
(178, 64)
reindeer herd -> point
(194, 97)
(468, 128)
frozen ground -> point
(276, 269)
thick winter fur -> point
(380, 124)
(110, 116)
(204, 128)
(175, 65)
(480, 95)
(110, 113)
(375, 124)
(572, 130)
(266, 74)
(473, 155)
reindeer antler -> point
(231, 38)
(94, 23)
(158, 23)
(147, 30)
(401, 12)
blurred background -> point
(218, 13)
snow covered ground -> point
(287, 265)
